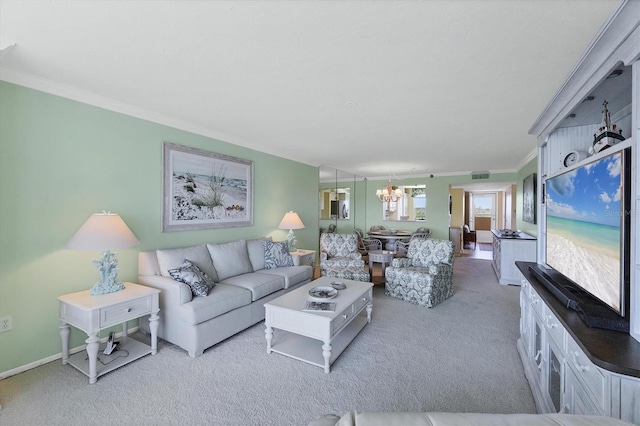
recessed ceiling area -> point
(615, 89)
(378, 89)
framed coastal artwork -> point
(529, 199)
(202, 189)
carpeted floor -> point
(458, 356)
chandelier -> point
(390, 193)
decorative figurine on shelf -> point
(608, 134)
(108, 269)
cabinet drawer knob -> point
(345, 316)
(581, 368)
(549, 323)
(128, 309)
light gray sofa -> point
(463, 419)
(243, 286)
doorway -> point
(482, 215)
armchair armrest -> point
(400, 262)
(441, 269)
(356, 256)
(323, 256)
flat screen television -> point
(588, 227)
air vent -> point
(479, 175)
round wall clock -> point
(573, 157)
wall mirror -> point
(334, 194)
(335, 203)
(405, 203)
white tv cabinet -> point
(571, 367)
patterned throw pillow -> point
(193, 276)
(276, 254)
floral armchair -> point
(339, 250)
(425, 276)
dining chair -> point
(402, 248)
(422, 235)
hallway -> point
(480, 251)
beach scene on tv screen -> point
(583, 227)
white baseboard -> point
(52, 358)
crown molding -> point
(54, 88)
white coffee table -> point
(318, 338)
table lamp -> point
(104, 231)
(291, 221)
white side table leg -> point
(64, 336)
(369, 310)
(92, 350)
(268, 334)
(153, 327)
(326, 353)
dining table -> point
(389, 237)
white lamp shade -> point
(291, 220)
(103, 231)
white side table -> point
(380, 256)
(94, 313)
(303, 257)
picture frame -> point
(529, 202)
(203, 190)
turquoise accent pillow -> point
(190, 274)
(276, 254)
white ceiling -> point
(375, 88)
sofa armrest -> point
(356, 255)
(323, 256)
(173, 292)
(327, 420)
(354, 418)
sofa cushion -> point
(198, 255)
(292, 274)
(256, 252)
(193, 276)
(230, 259)
(222, 299)
(257, 283)
(276, 254)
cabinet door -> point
(525, 323)
(537, 342)
(576, 399)
(555, 365)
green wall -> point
(61, 161)
(367, 210)
(437, 191)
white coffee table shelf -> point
(317, 338)
(310, 350)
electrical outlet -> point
(5, 324)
